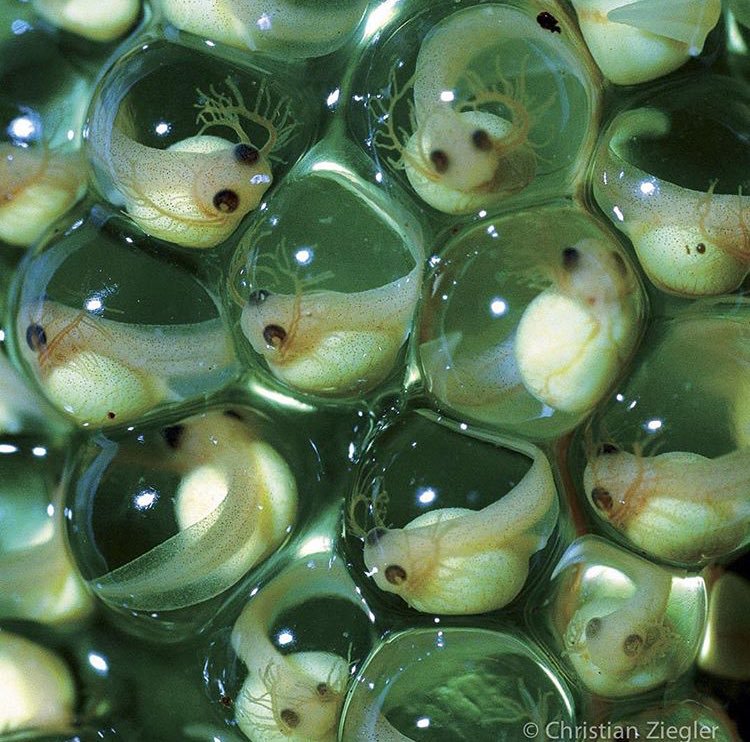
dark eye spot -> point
(36, 338)
(548, 22)
(602, 499)
(395, 574)
(632, 645)
(290, 718)
(111, 415)
(322, 689)
(225, 701)
(173, 435)
(701, 248)
(481, 140)
(246, 154)
(374, 536)
(274, 335)
(570, 258)
(226, 201)
(606, 449)
(258, 297)
(593, 627)
(440, 160)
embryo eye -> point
(395, 574)
(570, 258)
(246, 154)
(439, 159)
(36, 337)
(258, 297)
(481, 140)
(602, 499)
(274, 335)
(226, 201)
(290, 718)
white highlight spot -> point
(654, 424)
(146, 498)
(39, 451)
(423, 723)
(498, 307)
(304, 255)
(8, 448)
(22, 128)
(98, 663)
(285, 637)
(94, 304)
(333, 98)
(162, 128)
(264, 22)
(447, 96)
(618, 213)
(647, 188)
(426, 496)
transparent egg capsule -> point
(43, 95)
(725, 650)
(166, 518)
(109, 332)
(479, 105)
(624, 624)
(292, 650)
(677, 492)
(38, 581)
(682, 206)
(448, 519)
(188, 169)
(39, 690)
(93, 20)
(329, 310)
(528, 341)
(691, 719)
(456, 683)
(296, 29)
(634, 42)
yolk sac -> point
(333, 343)
(286, 28)
(461, 561)
(103, 372)
(571, 344)
(37, 185)
(688, 242)
(678, 506)
(472, 135)
(295, 696)
(195, 192)
(634, 42)
(236, 503)
(38, 688)
(89, 18)
(620, 630)
(575, 338)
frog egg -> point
(234, 503)
(528, 343)
(95, 361)
(191, 174)
(450, 558)
(471, 108)
(685, 214)
(278, 27)
(625, 624)
(678, 496)
(724, 652)
(297, 695)
(329, 312)
(39, 691)
(38, 186)
(38, 581)
(91, 19)
(487, 682)
(634, 42)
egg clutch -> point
(373, 371)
